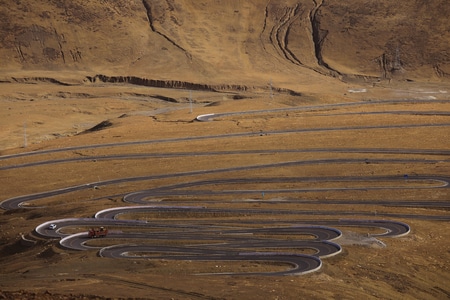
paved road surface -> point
(249, 239)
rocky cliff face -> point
(179, 40)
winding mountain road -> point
(273, 240)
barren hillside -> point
(228, 41)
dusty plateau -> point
(306, 126)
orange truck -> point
(97, 232)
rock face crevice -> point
(294, 32)
(319, 36)
(282, 31)
(148, 9)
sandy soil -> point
(49, 116)
(77, 73)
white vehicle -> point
(52, 226)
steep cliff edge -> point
(228, 41)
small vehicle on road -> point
(52, 226)
(97, 232)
